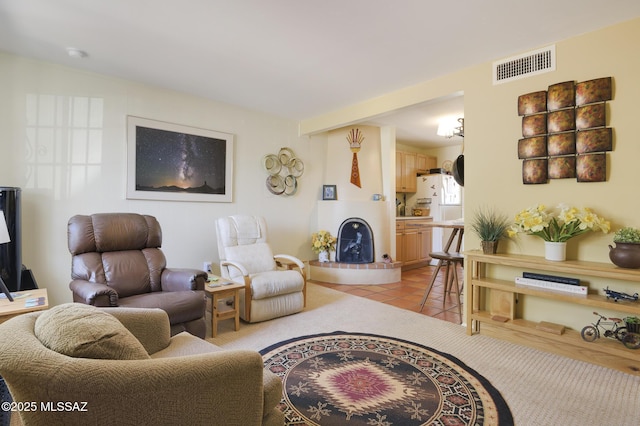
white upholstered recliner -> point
(275, 285)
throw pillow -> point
(84, 331)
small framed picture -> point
(329, 192)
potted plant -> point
(626, 253)
(490, 227)
(633, 324)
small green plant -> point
(627, 235)
(632, 320)
(490, 225)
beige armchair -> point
(180, 380)
(275, 285)
(117, 261)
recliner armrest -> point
(236, 265)
(290, 258)
(174, 279)
(95, 294)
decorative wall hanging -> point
(355, 138)
(284, 170)
(564, 132)
(172, 162)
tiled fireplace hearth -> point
(355, 273)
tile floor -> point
(408, 293)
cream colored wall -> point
(53, 190)
(492, 130)
(338, 164)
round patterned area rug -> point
(362, 379)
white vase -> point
(555, 251)
(323, 256)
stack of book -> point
(552, 282)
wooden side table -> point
(218, 290)
(23, 302)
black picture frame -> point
(329, 192)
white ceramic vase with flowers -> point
(322, 242)
(558, 226)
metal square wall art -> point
(564, 132)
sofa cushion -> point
(84, 331)
(275, 283)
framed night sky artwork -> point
(171, 162)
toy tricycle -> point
(611, 328)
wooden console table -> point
(490, 308)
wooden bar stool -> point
(450, 261)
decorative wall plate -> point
(285, 155)
(275, 184)
(290, 185)
(271, 164)
(296, 167)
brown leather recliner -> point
(117, 261)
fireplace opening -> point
(355, 242)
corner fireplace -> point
(355, 242)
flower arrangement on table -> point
(566, 223)
(323, 241)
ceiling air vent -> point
(525, 65)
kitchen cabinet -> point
(426, 162)
(399, 240)
(413, 242)
(406, 172)
(490, 307)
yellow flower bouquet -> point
(322, 241)
(567, 223)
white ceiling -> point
(293, 58)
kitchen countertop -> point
(413, 217)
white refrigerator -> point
(445, 198)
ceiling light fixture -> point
(450, 127)
(76, 53)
